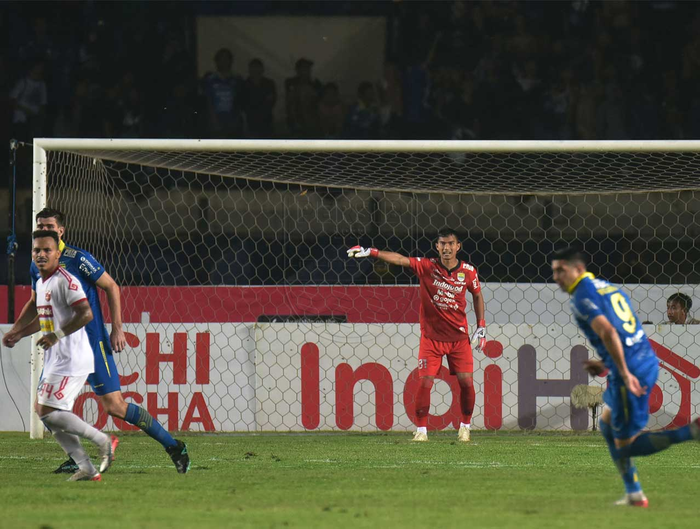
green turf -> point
(350, 480)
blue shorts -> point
(105, 379)
(630, 414)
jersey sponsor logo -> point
(475, 283)
(447, 286)
(589, 304)
(446, 294)
(69, 252)
(468, 267)
(45, 311)
(87, 267)
(634, 340)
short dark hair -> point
(446, 232)
(41, 234)
(682, 299)
(363, 87)
(255, 62)
(570, 254)
(223, 53)
(50, 212)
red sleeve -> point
(420, 265)
(474, 285)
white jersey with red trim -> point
(55, 297)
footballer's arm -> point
(394, 258)
(82, 315)
(478, 301)
(26, 325)
(607, 333)
(106, 283)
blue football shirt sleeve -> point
(34, 274)
(89, 267)
(588, 306)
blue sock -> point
(651, 443)
(140, 417)
(624, 465)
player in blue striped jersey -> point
(105, 379)
(604, 313)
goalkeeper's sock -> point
(423, 403)
(624, 465)
(651, 443)
(140, 418)
(467, 396)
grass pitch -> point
(350, 480)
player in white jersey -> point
(63, 311)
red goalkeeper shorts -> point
(459, 357)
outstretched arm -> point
(106, 283)
(390, 257)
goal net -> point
(243, 312)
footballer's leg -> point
(105, 382)
(429, 362)
(461, 363)
(648, 443)
(53, 407)
(423, 408)
(618, 427)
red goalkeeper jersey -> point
(443, 303)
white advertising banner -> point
(329, 376)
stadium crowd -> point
(454, 70)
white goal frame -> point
(42, 145)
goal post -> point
(244, 314)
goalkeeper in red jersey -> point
(443, 322)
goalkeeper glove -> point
(479, 337)
(359, 251)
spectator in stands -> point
(302, 94)
(222, 92)
(259, 98)
(28, 100)
(462, 112)
(125, 117)
(677, 307)
(179, 118)
(363, 121)
(331, 112)
(391, 100)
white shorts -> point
(60, 391)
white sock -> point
(465, 424)
(71, 446)
(422, 429)
(636, 496)
(71, 423)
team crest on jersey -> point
(48, 295)
(460, 276)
